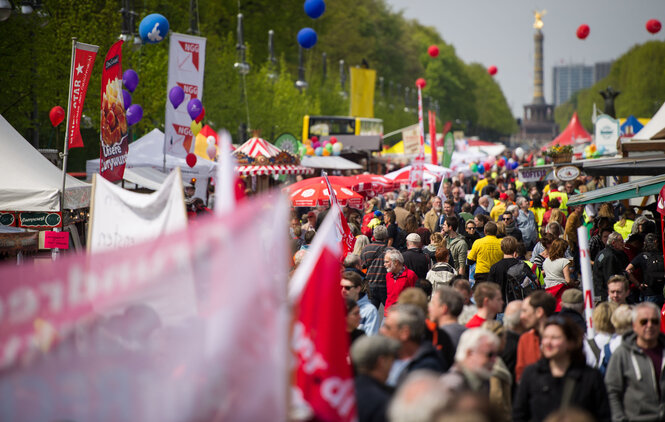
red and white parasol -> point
(372, 184)
(431, 174)
(313, 194)
(258, 157)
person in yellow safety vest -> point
(537, 271)
(625, 225)
(537, 209)
(558, 191)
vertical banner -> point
(587, 279)
(660, 207)
(323, 377)
(186, 66)
(84, 59)
(362, 92)
(448, 149)
(417, 171)
(347, 239)
(113, 134)
(432, 136)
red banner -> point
(320, 341)
(432, 136)
(417, 170)
(113, 133)
(347, 238)
(83, 61)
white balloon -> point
(212, 151)
(337, 148)
(211, 140)
(519, 151)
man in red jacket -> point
(398, 277)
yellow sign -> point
(362, 92)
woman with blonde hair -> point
(602, 325)
(361, 242)
(622, 321)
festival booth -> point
(330, 162)
(653, 130)
(638, 188)
(148, 151)
(30, 189)
(260, 159)
(574, 135)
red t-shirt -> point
(396, 284)
(475, 321)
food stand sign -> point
(7, 219)
(37, 220)
(567, 173)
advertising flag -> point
(113, 133)
(320, 343)
(84, 59)
(587, 279)
(186, 67)
(343, 231)
(362, 92)
(417, 170)
(432, 136)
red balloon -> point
(501, 162)
(653, 26)
(333, 140)
(492, 70)
(57, 115)
(200, 116)
(191, 159)
(583, 31)
(487, 165)
(420, 83)
(433, 51)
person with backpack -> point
(442, 272)
(650, 262)
(513, 276)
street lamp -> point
(5, 10)
(241, 66)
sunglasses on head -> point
(645, 321)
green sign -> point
(7, 219)
(448, 148)
(39, 219)
(288, 143)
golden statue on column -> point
(538, 23)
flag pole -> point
(66, 147)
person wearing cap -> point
(572, 307)
(414, 257)
(500, 207)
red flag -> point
(432, 136)
(82, 63)
(113, 133)
(343, 231)
(320, 341)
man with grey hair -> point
(420, 398)
(635, 378)
(414, 257)
(444, 308)
(526, 222)
(406, 324)
(398, 277)
(372, 358)
(476, 353)
(372, 259)
(484, 206)
(610, 261)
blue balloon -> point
(307, 38)
(153, 28)
(314, 8)
(481, 169)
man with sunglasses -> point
(508, 219)
(353, 288)
(635, 378)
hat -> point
(413, 237)
(378, 213)
(572, 296)
(503, 196)
(311, 214)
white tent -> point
(148, 151)
(655, 129)
(30, 182)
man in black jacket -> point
(372, 358)
(610, 261)
(414, 257)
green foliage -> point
(36, 56)
(638, 74)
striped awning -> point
(269, 170)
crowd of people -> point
(467, 305)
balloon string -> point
(244, 89)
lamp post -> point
(301, 83)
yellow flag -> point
(362, 92)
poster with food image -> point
(113, 131)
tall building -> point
(568, 79)
(601, 69)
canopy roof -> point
(259, 157)
(329, 162)
(30, 182)
(638, 188)
(573, 134)
(655, 129)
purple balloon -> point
(134, 114)
(126, 98)
(130, 79)
(176, 96)
(194, 108)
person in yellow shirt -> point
(486, 251)
(625, 225)
(500, 207)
